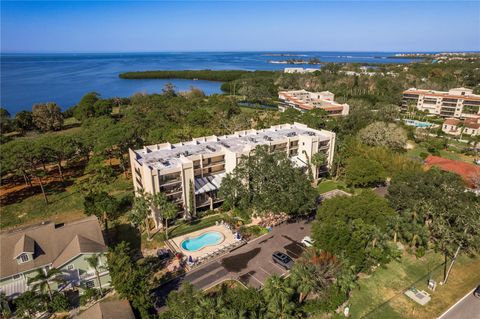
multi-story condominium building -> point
(63, 246)
(303, 100)
(469, 126)
(456, 103)
(191, 173)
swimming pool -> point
(418, 123)
(206, 239)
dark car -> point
(282, 259)
(476, 292)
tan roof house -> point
(468, 126)
(117, 309)
(26, 250)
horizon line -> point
(245, 51)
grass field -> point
(330, 185)
(450, 154)
(381, 294)
(65, 205)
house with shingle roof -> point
(115, 309)
(26, 250)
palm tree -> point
(207, 308)
(318, 159)
(314, 272)
(166, 208)
(140, 212)
(303, 278)
(278, 295)
(94, 262)
(43, 278)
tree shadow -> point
(127, 233)
(239, 262)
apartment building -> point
(190, 173)
(456, 103)
(63, 246)
(303, 101)
(469, 126)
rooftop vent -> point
(211, 148)
(290, 134)
(165, 162)
(311, 133)
(267, 138)
(252, 139)
(224, 144)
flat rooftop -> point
(168, 155)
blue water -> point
(27, 79)
(418, 123)
(197, 243)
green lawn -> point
(381, 294)
(65, 204)
(185, 228)
(330, 185)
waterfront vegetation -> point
(209, 75)
(62, 166)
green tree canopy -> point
(85, 108)
(131, 281)
(364, 172)
(268, 182)
(355, 228)
(384, 134)
(47, 117)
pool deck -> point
(228, 239)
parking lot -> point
(251, 264)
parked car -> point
(283, 260)
(476, 292)
(307, 241)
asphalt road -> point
(251, 264)
(466, 308)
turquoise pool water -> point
(207, 239)
(418, 123)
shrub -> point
(90, 294)
(59, 302)
(420, 252)
(424, 155)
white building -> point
(456, 103)
(303, 100)
(469, 126)
(300, 70)
(195, 169)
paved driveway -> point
(251, 264)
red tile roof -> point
(467, 171)
(451, 121)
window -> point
(24, 258)
(70, 267)
(89, 284)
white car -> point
(307, 241)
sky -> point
(153, 26)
